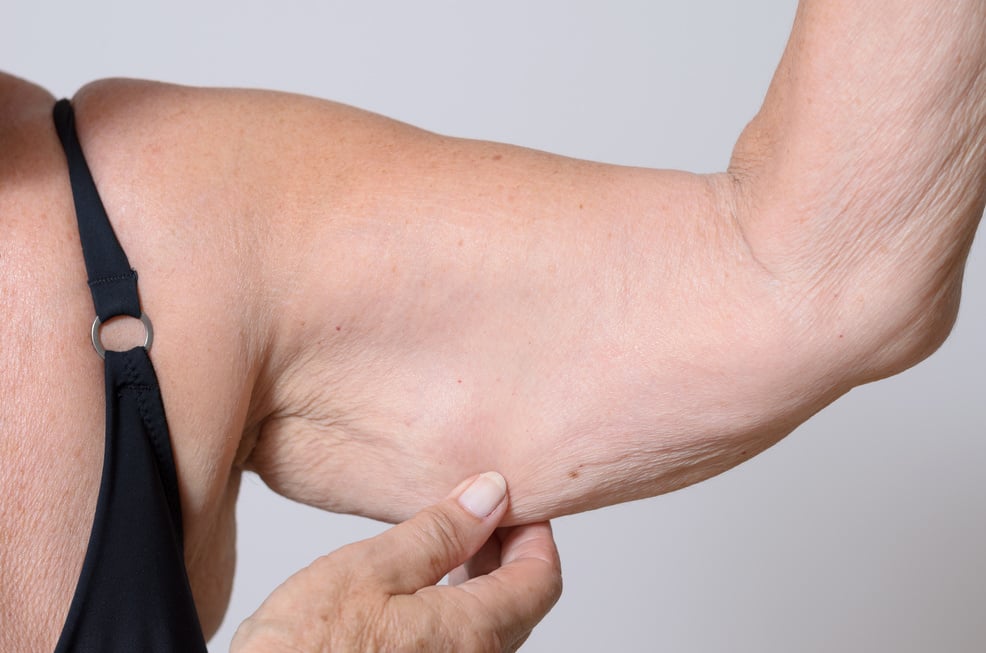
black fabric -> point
(112, 281)
(133, 593)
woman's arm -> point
(424, 307)
(602, 334)
(862, 180)
(467, 304)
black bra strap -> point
(112, 281)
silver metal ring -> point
(97, 343)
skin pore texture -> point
(365, 313)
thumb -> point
(418, 552)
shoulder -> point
(280, 116)
(271, 153)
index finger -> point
(520, 593)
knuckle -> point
(555, 585)
(546, 581)
(442, 536)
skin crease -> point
(375, 312)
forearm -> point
(862, 180)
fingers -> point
(482, 562)
(380, 592)
(516, 596)
(418, 552)
(534, 541)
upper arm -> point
(461, 306)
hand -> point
(380, 594)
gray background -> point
(862, 531)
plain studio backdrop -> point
(862, 531)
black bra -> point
(133, 593)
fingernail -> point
(484, 494)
